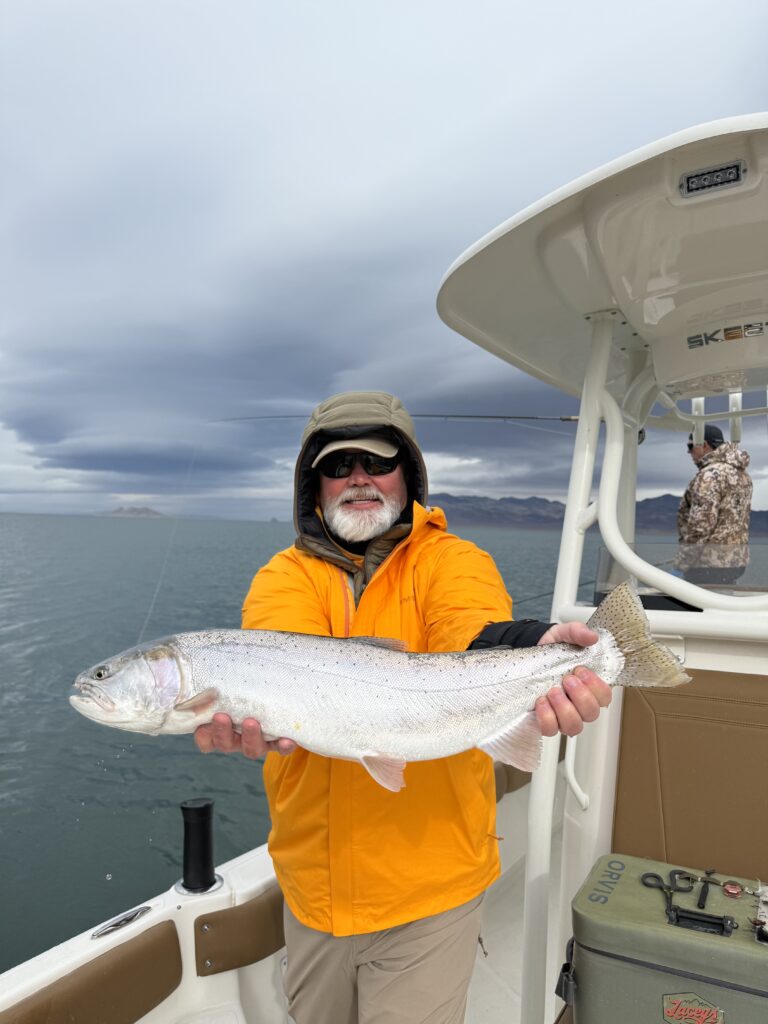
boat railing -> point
(608, 503)
(737, 617)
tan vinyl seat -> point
(692, 766)
(120, 986)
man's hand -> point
(220, 735)
(566, 708)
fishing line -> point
(168, 548)
(549, 593)
(160, 579)
(544, 430)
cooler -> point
(643, 953)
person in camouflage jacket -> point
(713, 517)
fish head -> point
(134, 691)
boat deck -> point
(496, 989)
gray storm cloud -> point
(211, 216)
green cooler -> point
(644, 951)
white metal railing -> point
(578, 515)
(734, 423)
(724, 616)
(623, 553)
(703, 417)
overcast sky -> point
(213, 210)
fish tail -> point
(646, 661)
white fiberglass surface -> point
(497, 984)
(672, 267)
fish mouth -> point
(91, 692)
(107, 713)
(87, 708)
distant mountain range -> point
(653, 515)
(136, 511)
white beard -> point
(358, 524)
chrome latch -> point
(120, 921)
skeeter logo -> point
(734, 332)
(691, 1009)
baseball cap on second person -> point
(374, 445)
(712, 435)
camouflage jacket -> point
(713, 518)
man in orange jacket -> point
(383, 890)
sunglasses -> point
(340, 464)
(690, 446)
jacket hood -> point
(344, 417)
(728, 453)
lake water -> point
(89, 818)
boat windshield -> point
(716, 567)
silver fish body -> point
(362, 698)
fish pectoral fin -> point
(518, 743)
(200, 703)
(386, 770)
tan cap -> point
(373, 409)
(374, 445)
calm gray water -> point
(89, 818)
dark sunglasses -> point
(340, 464)
(690, 446)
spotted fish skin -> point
(367, 699)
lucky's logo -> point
(691, 1009)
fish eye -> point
(101, 672)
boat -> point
(642, 288)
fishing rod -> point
(512, 419)
(302, 416)
(585, 583)
(414, 415)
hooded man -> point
(383, 890)
(713, 517)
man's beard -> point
(359, 524)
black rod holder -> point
(199, 875)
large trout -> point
(367, 699)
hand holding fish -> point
(250, 742)
(582, 695)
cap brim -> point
(374, 445)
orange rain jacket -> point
(350, 856)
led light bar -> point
(724, 176)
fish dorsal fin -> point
(385, 769)
(381, 641)
(518, 743)
(199, 703)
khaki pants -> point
(417, 973)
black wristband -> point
(523, 633)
